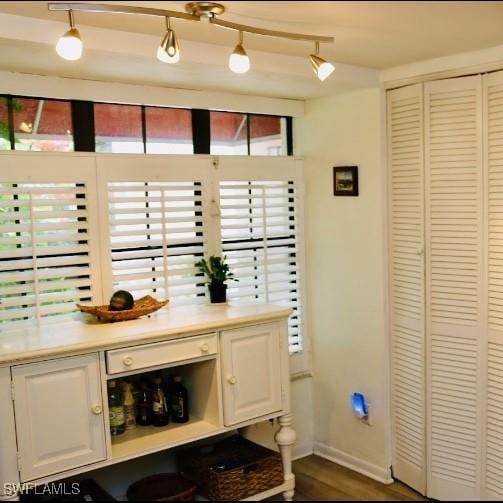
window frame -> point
(83, 133)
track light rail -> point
(270, 33)
(148, 11)
(121, 9)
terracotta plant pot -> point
(218, 292)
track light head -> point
(69, 46)
(323, 69)
(239, 62)
(169, 50)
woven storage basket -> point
(255, 469)
(143, 306)
(162, 487)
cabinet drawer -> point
(160, 353)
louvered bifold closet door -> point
(454, 223)
(493, 123)
(405, 154)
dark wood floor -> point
(320, 480)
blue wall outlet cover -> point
(359, 406)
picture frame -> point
(345, 180)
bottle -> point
(160, 414)
(115, 409)
(144, 416)
(129, 412)
(179, 402)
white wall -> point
(345, 274)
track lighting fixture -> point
(321, 68)
(239, 62)
(169, 51)
(69, 46)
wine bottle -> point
(179, 402)
(129, 412)
(160, 414)
(144, 417)
(115, 409)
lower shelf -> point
(145, 439)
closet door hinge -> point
(18, 456)
(12, 390)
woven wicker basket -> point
(145, 305)
(258, 469)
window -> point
(229, 133)
(268, 135)
(156, 235)
(168, 131)
(4, 124)
(118, 128)
(44, 250)
(259, 238)
(42, 125)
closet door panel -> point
(493, 474)
(453, 162)
(405, 154)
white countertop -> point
(74, 336)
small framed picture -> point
(345, 180)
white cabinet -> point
(251, 372)
(59, 415)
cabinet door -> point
(251, 372)
(59, 415)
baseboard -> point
(302, 450)
(371, 470)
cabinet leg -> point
(285, 438)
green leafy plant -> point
(216, 269)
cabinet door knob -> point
(204, 348)
(128, 361)
(97, 409)
(232, 380)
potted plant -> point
(217, 271)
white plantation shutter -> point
(156, 236)
(155, 228)
(259, 239)
(405, 153)
(45, 242)
(454, 275)
(493, 476)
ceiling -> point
(374, 35)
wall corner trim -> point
(380, 473)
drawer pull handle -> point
(128, 361)
(232, 380)
(97, 410)
(204, 348)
